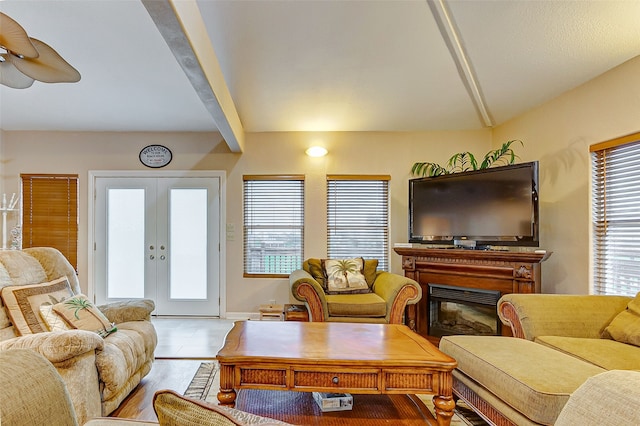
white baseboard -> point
(239, 316)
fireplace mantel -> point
(503, 271)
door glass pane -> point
(188, 243)
(125, 243)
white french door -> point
(158, 238)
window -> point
(358, 217)
(273, 225)
(50, 213)
(616, 215)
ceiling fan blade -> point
(14, 38)
(49, 67)
(11, 77)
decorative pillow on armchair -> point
(625, 327)
(345, 276)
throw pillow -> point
(78, 312)
(344, 276)
(51, 319)
(370, 270)
(23, 303)
(625, 327)
(174, 409)
(316, 271)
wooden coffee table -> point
(334, 357)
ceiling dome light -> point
(316, 151)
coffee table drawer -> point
(248, 376)
(410, 381)
(365, 379)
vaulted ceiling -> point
(264, 65)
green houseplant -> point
(465, 161)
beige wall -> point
(265, 153)
(559, 134)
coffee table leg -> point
(444, 406)
(227, 395)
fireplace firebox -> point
(459, 310)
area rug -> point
(299, 407)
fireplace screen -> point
(458, 310)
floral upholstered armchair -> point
(352, 290)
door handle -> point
(163, 257)
(152, 257)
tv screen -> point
(495, 206)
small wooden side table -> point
(271, 312)
(296, 313)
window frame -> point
(615, 227)
(299, 226)
(333, 182)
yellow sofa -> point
(99, 372)
(385, 303)
(560, 342)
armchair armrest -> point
(131, 310)
(306, 289)
(398, 291)
(57, 346)
(533, 315)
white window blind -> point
(273, 225)
(358, 218)
(616, 215)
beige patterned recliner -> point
(99, 372)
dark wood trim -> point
(503, 271)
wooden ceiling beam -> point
(184, 31)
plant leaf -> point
(503, 155)
(428, 169)
(462, 162)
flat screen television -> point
(478, 209)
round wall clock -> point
(155, 156)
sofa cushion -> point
(608, 399)
(608, 354)
(531, 378)
(356, 305)
(625, 327)
(23, 303)
(124, 353)
(345, 276)
(19, 268)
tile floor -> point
(190, 338)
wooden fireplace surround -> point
(503, 271)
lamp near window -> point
(316, 151)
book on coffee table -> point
(333, 401)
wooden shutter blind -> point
(50, 213)
(616, 215)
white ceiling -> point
(381, 65)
